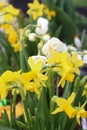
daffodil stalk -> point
(23, 53)
(26, 110)
(24, 31)
(50, 84)
(23, 59)
(14, 103)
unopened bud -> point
(77, 42)
(32, 37)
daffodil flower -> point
(35, 9)
(36, 68)
(76, 63)
(65, 105)
(81, 113)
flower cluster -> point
(41, 73)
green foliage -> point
(7, 55)
(80, 3)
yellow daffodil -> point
(49, 13)
(6, 80)
(65, 105)
(27, 77)
(34, 86)
(76, 63)
(35, 9)
(16, 47)
(10, 31)
(9, 76)
(8, 12)
(64, 66)
(37, 67)
(66, 74)
(81, 113)
(12, 10)
(30, 82)
(85, 90)
(13, 36)
(4, 88)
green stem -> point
(51, 94)
(22, 62)
(27, 114)
(26, 110)
(22, 34)
(14, 103)
(23, 59)
(11, 124)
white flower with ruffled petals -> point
(54, 44)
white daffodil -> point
(42, 26)
(54, 44)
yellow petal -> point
(71, 98)
(57, 110)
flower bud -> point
(77, 42)
(32, 37)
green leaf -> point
(69, 8)
(58, 31)
(69, 29)
(6, 128)
(49, 3)
(21, 124)
(80, 3)
(2, 122)
(83, 80)
(9, 51)
(5, 118)
(67, 90)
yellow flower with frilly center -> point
(35, 9)
(8, 11)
